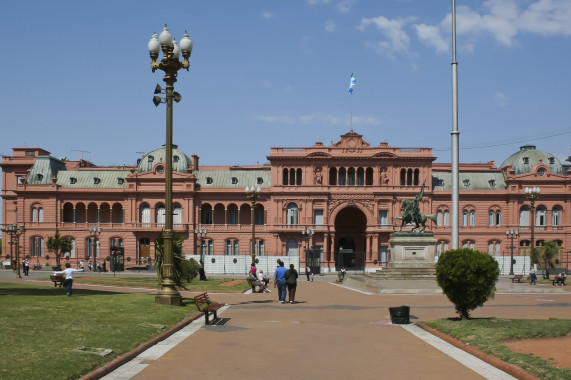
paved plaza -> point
(331, 332)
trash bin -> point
(400, 315)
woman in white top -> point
(68, 272)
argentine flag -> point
(352, 84)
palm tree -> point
(59, 245)
(550, 251)
(177, 241)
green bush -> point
(468, 278)
(189, 269)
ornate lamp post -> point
(308, 234)
(10, 243)
(532, 194)
(94, 233)
(170, 64)
(201, 235)
(511, 233)
(14, 231)
(252, 194)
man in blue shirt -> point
(279, 280)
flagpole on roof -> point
(352, 83)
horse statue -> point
(417, 218)
(411, 212)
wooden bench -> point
(517, 278)
(57, 279)
(203, 303)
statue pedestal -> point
(412, 250)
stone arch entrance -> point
(350, 242)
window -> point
(37, 214)
(494, 248)
(120, 181)
(30, 153)
(540, 216)
(72, 180)
(383, 217)
(439, 218)
(259, 180)
(342, 177)
(232, 247)
(259, 216)
(145, 214)
(468, 244)
(541, 172)
(556, 216)
(175, 158)
(96, 181)
(318, 217)
(206, 247)
(498, 218)
(116, 242)
(492, 183)
(206, 214)
(491, 218)
(526, 160)
(291, 247)
(446, 217)
(40, 177)
(383, 254)
(466, 183)
(236, 250)
(232, 217)
(37, 246)
(472, 218)
(551, 160)
(524, 216)
(177, 215)
(70, 254)
(160, 170)
(160, 215)
(260, 248)
(234, 180)
(465, 218)
(351, 177)
(291, 214)
(209, 180)
(360, 177)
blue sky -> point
(76, 76)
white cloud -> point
(504, 20)
(396, 39)
(315, 2)
(345, 6)
(317, 118)
(267, 15)
(330, 26)
(501, 99)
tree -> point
(550, 251)
(59, 245)
(190, 269)
(177, 259)
(468, 278)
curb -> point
(503, 366)
(118, 362)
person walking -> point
(291, 280)
(68, 272)
(280, 281)
(26, 267)
(533, 275)
(81, 265)
(308, 272)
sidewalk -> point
(332, 332)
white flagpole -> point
(455, 137)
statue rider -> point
(415, 209)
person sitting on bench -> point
(560, 279)
(254, 282)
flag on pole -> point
(352, 84)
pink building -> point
(347, 194)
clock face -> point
(541, 172)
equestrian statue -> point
(411, 212)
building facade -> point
(347, 195)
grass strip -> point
(43, 328)
(487, 334)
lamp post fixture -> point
(308, 234)
(170, 64)
(532, 194)
(201, 235)
(252, 193)
(10, 243)
(17, 232)
(94, 233)
(511, 233)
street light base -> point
(168, 299)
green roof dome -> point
(527, 157)
(180, 162)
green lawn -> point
(42, 328)
(226, 285)
(487, 335)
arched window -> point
(292, 177)
(360, 177)
(369, 177)
(446, 217)
(351, 177)
(37, 214)
(232, 214)
(556, 216)
(259, 215)
(177, 215)
(333, 176)
(145, 214)
(298, 177)
(116, 242)
(403, 177)
(260, 248)
(409, 177)
(465, 218)
(472, 218)
(342, 177)
(292, 214)
(439, 218)
(206, 214)
(34, 214)
(71, 253)
(160, 215)
(291, 247)
(416, 176)
(541, 216)
(285, 177)
(468, 244)
(491, 218)
(524, 216)
(498, 218)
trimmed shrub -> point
(468, 278)
(189, 269)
